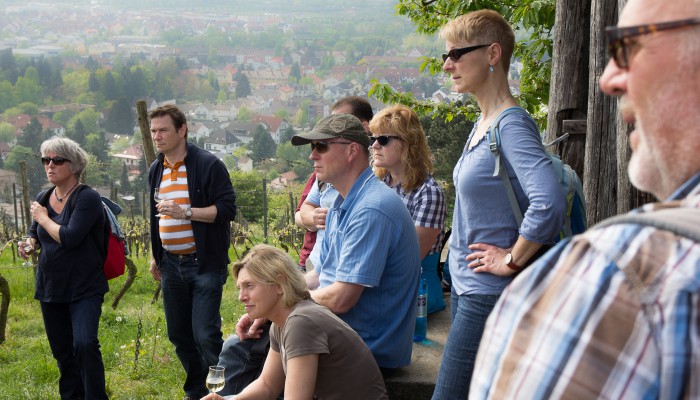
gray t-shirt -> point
(346, 367)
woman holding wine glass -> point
(313, 353)
(70, 283)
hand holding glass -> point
(215, 378)
(28, 249)
(158, 198)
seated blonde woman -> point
(313, 354)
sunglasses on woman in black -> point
(56, 160)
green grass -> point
(28, 370)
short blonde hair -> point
(270, 265)
(401, 121)
(482, 27)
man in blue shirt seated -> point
(370, 262)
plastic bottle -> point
(421, 329)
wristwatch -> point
(510, 264)
(188, 213)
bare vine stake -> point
(155, 339)
(137, 347)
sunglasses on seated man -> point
(322, 147)
(56, 160)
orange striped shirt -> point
(176, 234)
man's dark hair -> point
(360, 107)
(175, 113)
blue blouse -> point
(482, 213)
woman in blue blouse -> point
(487, 247)
(70, 283)
(402, 160)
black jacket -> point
(208, 183)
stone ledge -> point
(417, 381)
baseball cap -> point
(345, 126)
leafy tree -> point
(35, 171)
(109, 86)
(327, 62)
(286, 135)
(120, 118)
(32, 135)
(213, 81)
(93, 82)
(97, 172)
(295, 72)
(7, 96)
(97, 145)
(75, 84)
(302, 115)
(89, 118)
(222, 96)
(282, 113)
(230, 162)
(262, 146)
(56, 78)
(446, 141)
(139, 183)
(244, 115)
(306, 81)
(28, 90)
(295, 158)
(7, 132)
(8, 66)
(77, 132)
(92, 65)
(124, 184)
(243, 88)
(248, 186)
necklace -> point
(60, 199)
(495, 108)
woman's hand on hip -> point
(488, 258)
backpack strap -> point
(682, 221)
(494, 135)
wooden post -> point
(600, 169)
(14, 204)
(150, 156)
(145, 128)
(25, 194)
(568, 91)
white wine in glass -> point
(28, 250)
(158, 198)
(215, 379)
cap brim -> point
(306, 138)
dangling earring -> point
(490, 68)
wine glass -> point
(28, 250)
(158, 198)
(215, 379)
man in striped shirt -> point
(190, 231)
(615, 313)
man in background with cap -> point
(370, 265)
